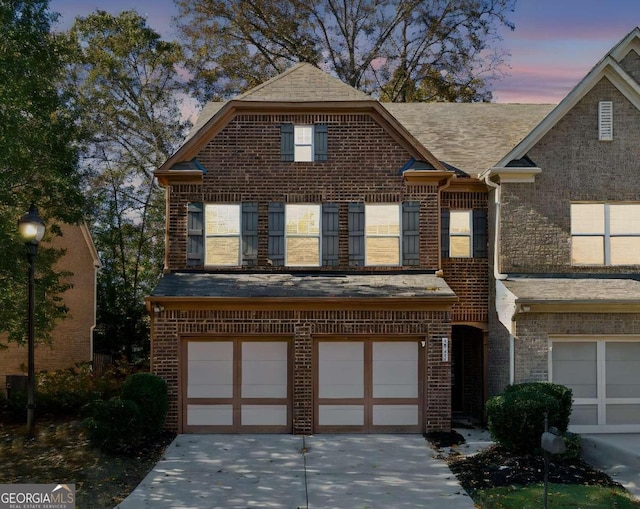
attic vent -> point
(605, 120)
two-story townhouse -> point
(566, 216)
(326, 262)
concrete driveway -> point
(286, 471)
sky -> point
(554, 45)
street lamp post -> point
(31, 228)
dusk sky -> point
(555, 42)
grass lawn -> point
(560, 496)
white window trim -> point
(601, 401)
(287, 236)
(296, 127)
(606, 236)
(398, 236)
(211, 236)
(458, 234)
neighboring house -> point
(330, 261)
(72, 337)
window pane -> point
(303, 134)
(382, 219)
(587, 250)
(460, 221)
(222, 219)
(625, 250)
(303, 219)
(382, 251)
(624, 218)
(222, 251)
(303, 251)
(587, 218)
(460, 247)
(303, 153)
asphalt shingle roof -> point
(294, 285)
(574, 289)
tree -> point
(125, 82)
(38, 160)
(398, 50)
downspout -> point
(498, 276)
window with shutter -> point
(302, 235)
(303, 143)
(222, 234)
(382, 234)
(605, 120)
(460, 234)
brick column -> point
(302, 381)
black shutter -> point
(480, 233)
(444, 233)
(249, 234)
(356, 234)
(195, 234)
(330, 234)
(411, 233)
(287, 147)
(320, 142)
(276, 233)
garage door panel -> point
(623, 414)
(584, 415)
(264, 415)
(237, 385)
(209, 415)
(341, 415)
(395, 415)
(341, 370)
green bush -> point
(516, 418)
(149, 392)
(65, 391)
(115, 425)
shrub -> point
(516, 418)
(65, 391)
(115, 425)
(149, 392)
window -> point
(460, 234)
(605, 234)
(605, 120)
(222, 234)
(382, 234)
(302, 229)
(303, 143)
(463, 233)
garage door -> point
(237, 385)
(604, 375)
(368, 386)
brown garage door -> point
(236, 385)
(368, 386)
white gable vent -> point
(605, 120)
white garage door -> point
(368, 386)
(237, 385)
(604, 375)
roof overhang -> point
(513, 175)
(524, 306)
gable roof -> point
(303, 83)
(608, 67)
(470, 136)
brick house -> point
(338, 264)
(567, 250)
(72, 338)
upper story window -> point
(460, 234)
(605, 120)
(222, 234)
(382, 234)
(605, 233)
(463, 233)
(302, 235)
(303, 143)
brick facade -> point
(171, 326)
(72, 336)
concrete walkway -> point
(294, 472)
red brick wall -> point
(72, 337)
(170, 325)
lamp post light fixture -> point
(31, 228)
